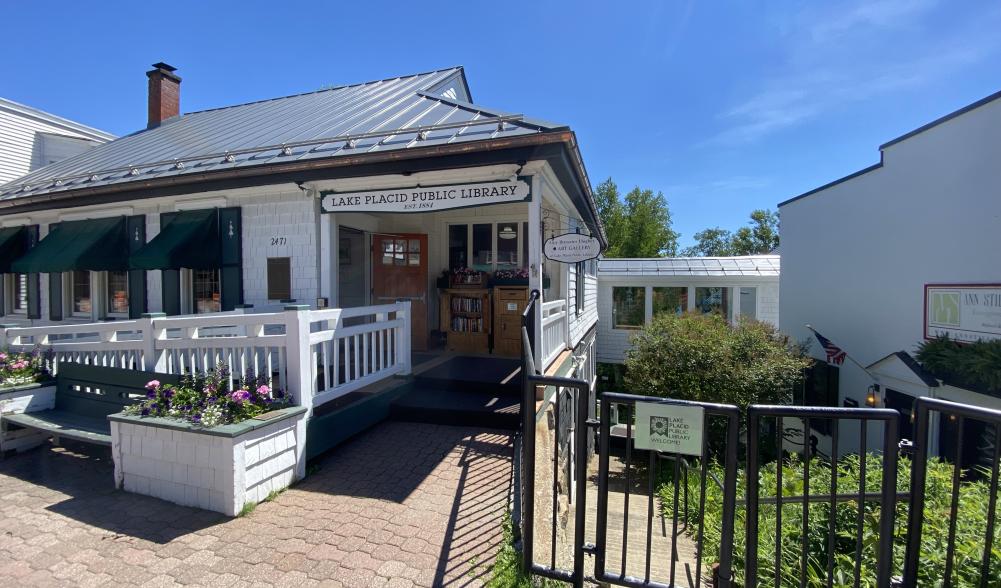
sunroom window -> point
(628, 307)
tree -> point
(759, 238)
(613, 215)
(762, 236)
(715, 242)
(639, 226)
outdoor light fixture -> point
(872, 396)
(507, 233)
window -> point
(713, 300)
(580, 281)
(507, 246)
(488, 247)
(628, 307)
(401, 252)
(670, 300)
(19, 293)
(458, 241)
(279, 278)
(205, 291)
(118, 292)
(483, 247)
(80, 293)
(748, 302)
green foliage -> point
(507, 571)
(638, 225)
(761, 237)
(975, 366)
(971, 524)
(701, 357)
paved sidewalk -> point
(402, 505)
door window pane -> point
(19, 300)
(670, 300)
(457, 244)
(628, 307)
(81, 292)
(400, 253)
(712, 300)
(483, 247)
(205, 286)
(118, 292)
(748, 302)
(507, 246)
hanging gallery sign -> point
(670, 428)
(572, 248)
(963, 312)
(426, 199)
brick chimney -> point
(164, 94)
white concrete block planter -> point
(21, 399)
(220, 468)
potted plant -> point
(26, 385)
(205, 443)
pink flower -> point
(19, 365)
(3, 356)
(239, 396)
(152, 384)
(263, 391)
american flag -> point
(835, 354)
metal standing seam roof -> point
(748, 265)
(392, 114)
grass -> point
(507, 571)
(250, 506)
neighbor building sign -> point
(425, 199)
(963, 312)
(571, 248)
(670, 428)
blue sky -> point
(725, 107)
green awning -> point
(12, 246)
(97, 244)
(189, 240)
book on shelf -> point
(467, 304)
(463, 324)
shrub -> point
(18, 368)
(701, 357)
(971, 524)
(975, 366)
(205, 399)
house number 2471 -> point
(275, 241)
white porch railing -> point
(554, 330)
(315, 355)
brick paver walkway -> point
(402, 505)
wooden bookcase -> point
(509, 303)
(466, 319)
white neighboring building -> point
(858, 253)
(31, 138)
(631, 291)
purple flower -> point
(239, 396)
(145, 412)
(151, 394)
(168, 392)
(197, 417)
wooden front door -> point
(400, 272)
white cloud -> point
(820, 79)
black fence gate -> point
(802, 511)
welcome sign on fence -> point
(425, 199)
(669, 428)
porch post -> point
(328, 259)
(535, 260)
(154, 360)
(298, 356)
(403, 343)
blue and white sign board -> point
(425, 199)
(669, 428)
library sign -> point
(963, 312)
(427, 199)
(572, 248)
(670, 428)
